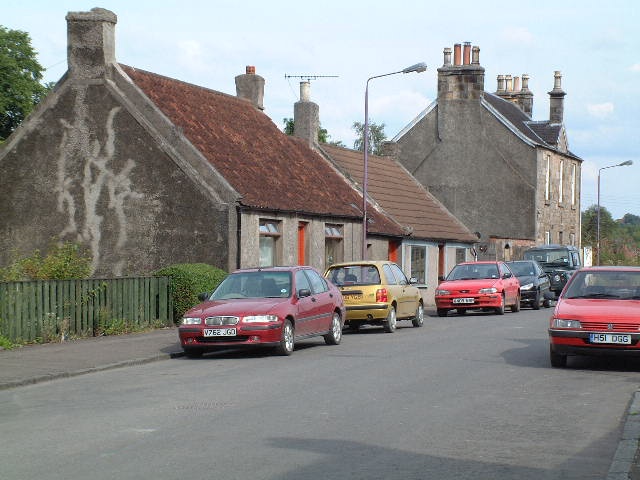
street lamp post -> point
(418, 68)
(623, 164)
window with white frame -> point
(560, 182)
(333, 244)
(547, 237)
(269, 242)
(573, 184)
(547, 182)
(419, 263)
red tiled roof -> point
(269, 169)
(401, 196)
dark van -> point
(558, 261)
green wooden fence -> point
(48, 309)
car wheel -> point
(500, 309)
(536, 301)
(442, 312)
(391, 321)
(557, 360)
(285, 347)
(516, 306)
(418, 320)
(335, 335)
(193, 352)
(355, 326)
(546, 303)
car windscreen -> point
(559, 256)
(522, 269)
(623, 285)
(258, 284)
(473, 272)
(354, 275)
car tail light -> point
(382, 295)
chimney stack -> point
(90, 42)
(525, 96)
(465, 78)
(556, 99)
(306, 116)
(251, 87)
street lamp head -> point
(624, 164)
(418, 68)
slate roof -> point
(269, 169)
(400, 195)
(542, 132)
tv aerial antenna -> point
(309, 77)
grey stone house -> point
(148, 171)
(511, 180)
(433, 237)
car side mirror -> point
(204, 296)
(413, 280)
(507, 275)
(304, 292)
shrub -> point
(61, 262)
(187, 281)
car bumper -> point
(192, 337)
(479, 301)
(576, 342)
(369, 312)
(528, 296)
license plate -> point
(352, 297)
(219, 332)
(610, 338)
(464, 300)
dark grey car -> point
(534, 283)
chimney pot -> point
(250, 70)
(516, 84)
(457, 55)
(447, 57)
(475, 58)
(305, 91)
(501, 88)
(525, 82)
(467, 53)
(509, 84)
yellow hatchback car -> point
(377, 293)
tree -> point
(376, 137)
(20, 76)
(630, 219)
(323, 135)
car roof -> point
(610, 268)
(281, 268)
(362, 262)
(553, 246)
(479, 262)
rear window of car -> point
(354, 275)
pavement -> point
(33, 364)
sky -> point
(338, 44)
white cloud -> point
(600, 110)
(635, 67)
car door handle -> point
(313, 299)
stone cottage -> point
(148, 171)
(510, 179)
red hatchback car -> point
(486, 285)
(273, 306)
(597, 313)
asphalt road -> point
(464, 397)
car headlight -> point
(260, 318)
(526, 286)
(443, 292)
(191, 321)
(488, 290)
(556, 277)
(562, 323)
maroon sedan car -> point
(273, 306)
